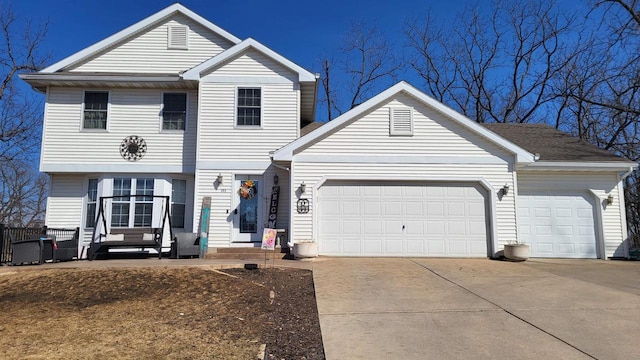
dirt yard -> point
(158, 313)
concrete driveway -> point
(387, 308)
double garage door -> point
(557, 225)
(387, 219)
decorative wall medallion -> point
(133, 148)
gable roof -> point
(286, 153)
(134, 29)
(552, 144)
(195, 72)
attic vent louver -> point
(401, 121)
(178, 37)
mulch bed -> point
(153, 313)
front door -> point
(247, 218)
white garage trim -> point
(599, 223)
(492, 246)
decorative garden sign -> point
(269, 239)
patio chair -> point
(187, 245)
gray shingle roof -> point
(552, 144)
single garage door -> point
(557, 225)
(386, 219)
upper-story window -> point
(95, 109)
(174, 111)
(249, 107)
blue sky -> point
(301, 31)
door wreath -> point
(247, 189)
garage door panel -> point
(393, 208)
(557, 225)
(403, 220)
(373, 247)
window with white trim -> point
(178, 37)
(96, 107)
(174, 111)
(401, 121)
(142, 205)
(249, 102)
(178, 202)
(92, 200)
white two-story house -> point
(175, 106)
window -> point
(120, 205)
(142, 205)
(401, 121)
(95, 109)
(174, 111)
(92, 199)
(178, 202)
(249, 100)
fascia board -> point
(194, 73)
(140, 25)
(286, 152)
(579, 166)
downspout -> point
(627, 173)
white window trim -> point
(235, 108)
(82, 128)
(186, 114)
(86, 200)
(186, 200)
(170, 33)
(392, 130)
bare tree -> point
(367, 63)
(23, 194)
(20, 113)
(495, 68)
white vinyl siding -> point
(433, 136)
(279, 123)
(65, 201)
(592, 184)
(254, 64)
(148, 52)
(222, 200)
(132, 112)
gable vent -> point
(401, 121)
(178, 37)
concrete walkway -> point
(477, 309)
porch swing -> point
(138, 237)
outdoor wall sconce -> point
(609, 199)
(303, 188)
(219, 179)
(505, 189)
(275, 179)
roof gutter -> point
(628, 172)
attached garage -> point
(557, 224)
(404, 175)
(400, 219)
